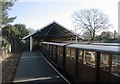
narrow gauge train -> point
(85, 63)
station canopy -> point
(53, 31)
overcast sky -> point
(38, 13)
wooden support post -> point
(64, 57)
(45, 50)
(76, 64)
(52, 52)
(97, 65)
(56, 54)
(70, 38)
(76, 39)
(49, 51)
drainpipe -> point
(76, 38)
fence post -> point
(76, 64)
(83, 57)
(110, 62)
(97, 65)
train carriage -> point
(91, 63)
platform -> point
(33, 68)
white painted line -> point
(29, 57)
(55, 69)
(33, 79)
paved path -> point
(34, 69)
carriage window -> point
(80, 55)
(89, 58)
(116, 65)
(50, 50)
(104, 62)
(67, 52)
(54, 51)
(60, 51)
(47, 47)
(72, 53)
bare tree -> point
(86, 35)
(91, 20)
